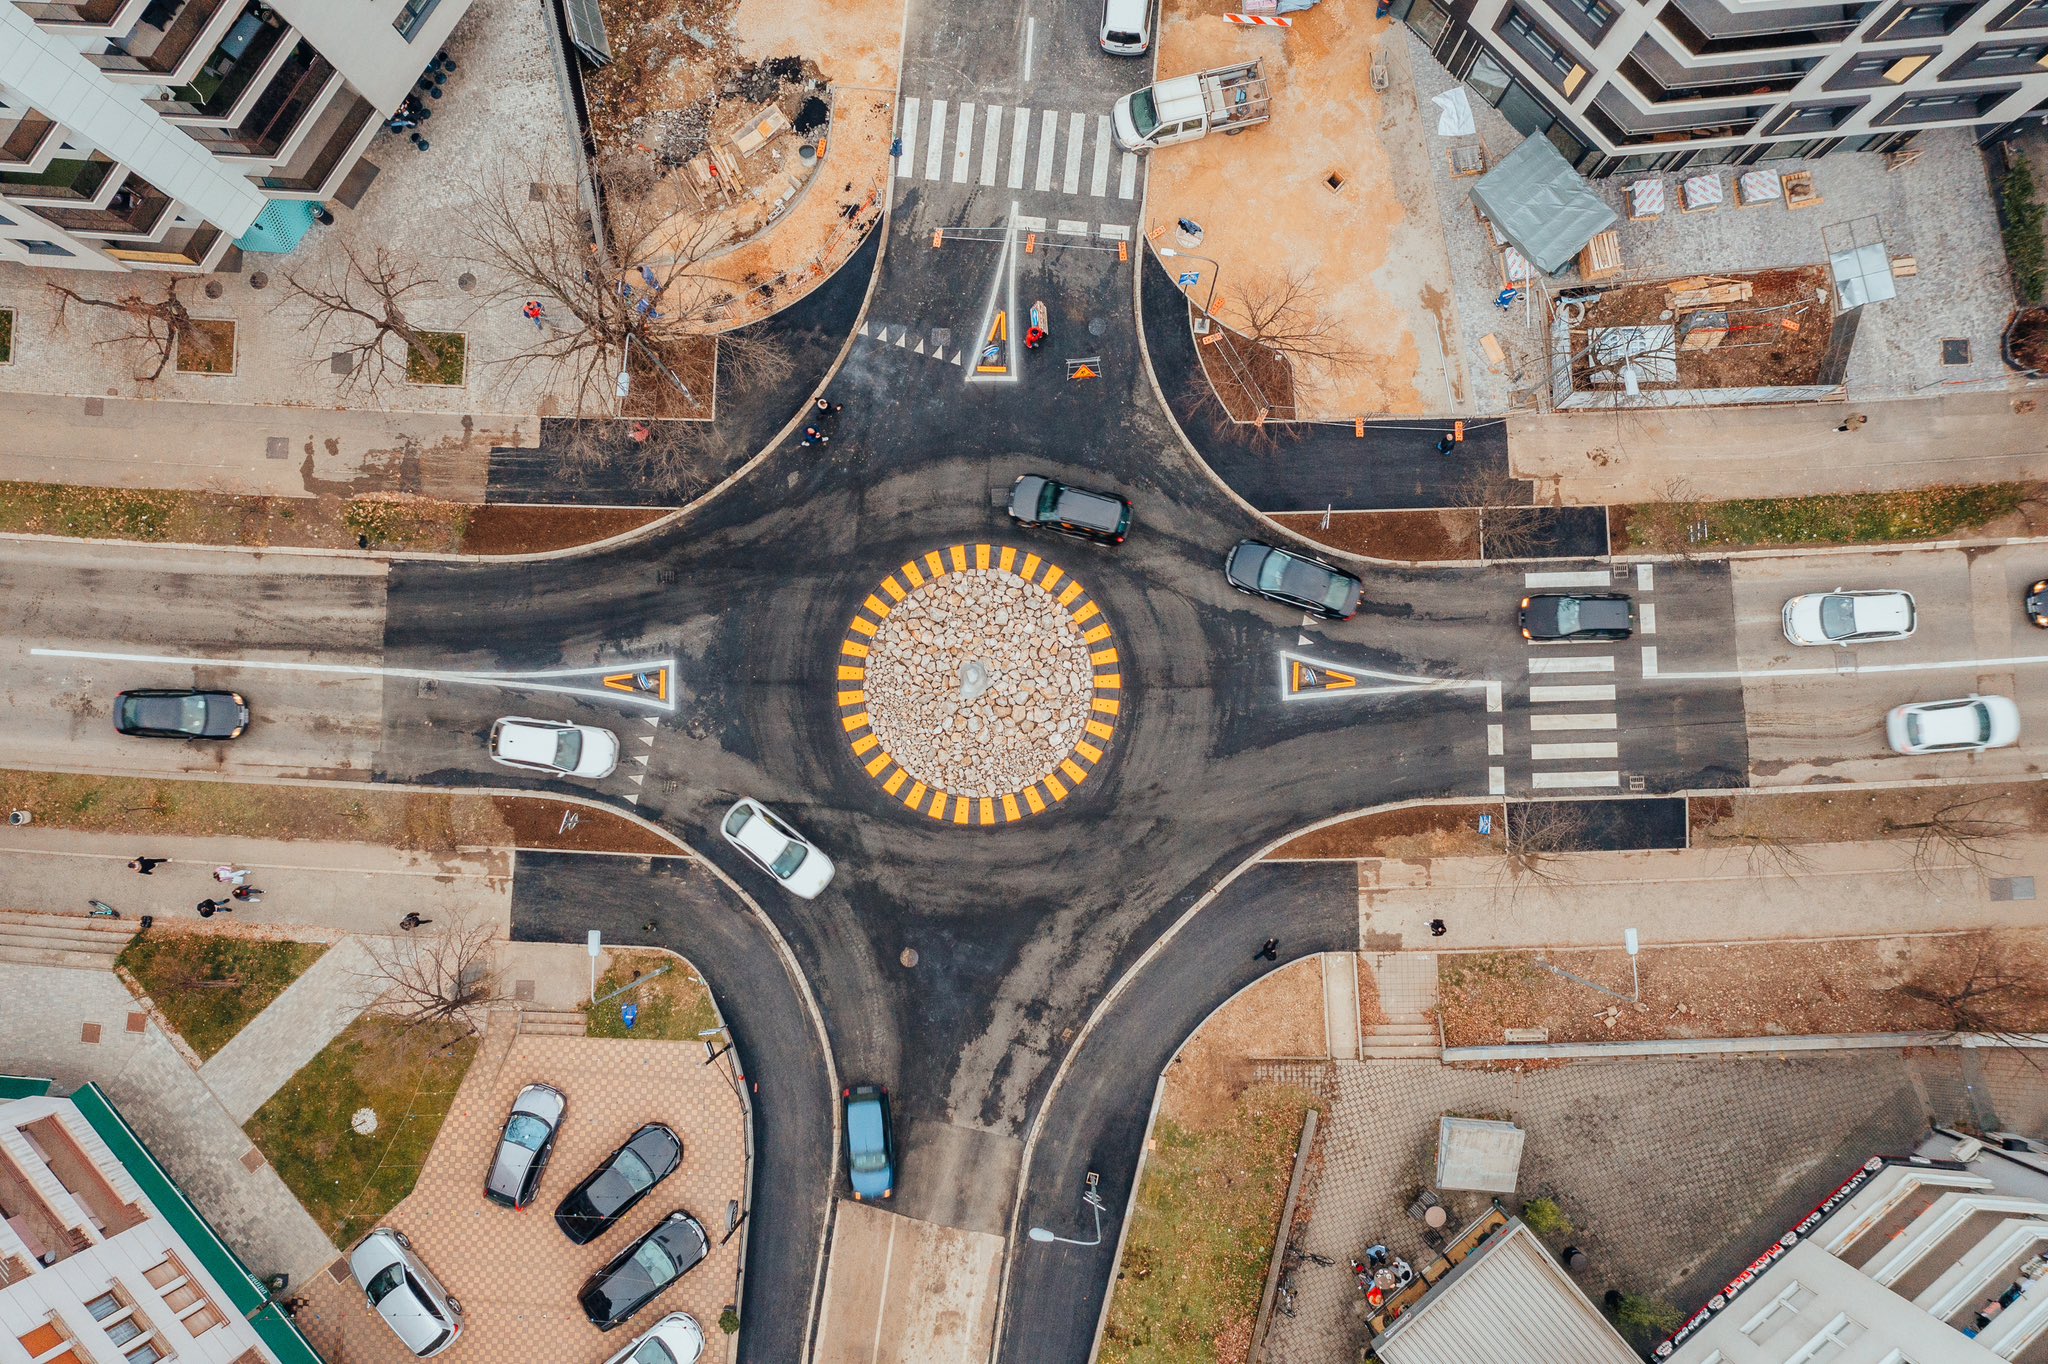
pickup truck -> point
(1228, 99)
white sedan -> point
(675, 1339)
(554, 746)
(1840, 617)
(779, 850)
(1969, 724)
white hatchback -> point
(554, 746)
(779, 850)
(675, 1339)
(1840, 617)
(405, 1292)
(1969, 724)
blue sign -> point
(631, 1013)
(1486, 826)
(1189, 277)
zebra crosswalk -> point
(966, 142)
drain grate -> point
(1955, 350)
(277, 447)
(1335, 180)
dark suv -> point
(1039, 502)
(1548, 617)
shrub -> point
(1545, 1218)
(2021, 216)
(1642, 1320)
(729, 1320)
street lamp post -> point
(1095, 1203)
(1214, 271)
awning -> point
(279, 228)
(1541, 205)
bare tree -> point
(1969, 829)
(423, 978)
(1282, 313)
(1768, 854)
(1988, 982)
(1509, 526)
(156, 326)
(1539, 834)
(679, 459)
(365, 301)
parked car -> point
(525, 1145)
(554, 746)
(617, 1185)
(1281, 575)
(1126, 28)
(2037, 603)
(675, 1339)
(776, 848)
(1039, 502)
(1554, 617)
(638, 1274)
(1968, 724)
(423, 1314)
(1840, 617)
(870, 1143)
(181, 713)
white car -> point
(1840, 617)
(675, 1339)
(1969, 724)
(405, 1292)
(780, 851)
(554, 746)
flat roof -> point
(1508, 1302)
(1478, 1153)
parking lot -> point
(515, 1273)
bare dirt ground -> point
(1846, 816)
(1409, 536)
(1280, 1016)
(1419, 831)
(1373, 246)
(1767, 353)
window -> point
(104, 1306)
(145, 1353)
(1778, 1313)
(43, 249)
(1930, 20)
(2023, 14)
(124, 1330)
(1834, 1338)
(412, 17)
(1541, 51)
(1879, 68)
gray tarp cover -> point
(1542, 205)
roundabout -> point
(979, 685)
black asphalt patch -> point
(1618, 825)
(1567, 533)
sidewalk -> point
(1705, 895)
(1730, 452)
(293, 1029)
(252, 449)
(351, 887)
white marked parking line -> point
(1573, 781)
(991, 143)
(1597, 577)
(1098, 179)
(905, 162)
(936, 150)
(1070, 182)
(1845, 669)
(1127, 178)
(1603, 664)
(1646, 577)
(1020, 137)
(1048, 134)
(1649, 660)
(963, 145)
(1496, 740)
(1587, 720)
(1554, 752)
(1496, 781)
(1584, 692)
(1648, 614)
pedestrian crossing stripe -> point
(1303, 677)
(1073, 153)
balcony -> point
(65, 181)
(25, 139)
(334, 134)
(81, 1177)
(1660, 79)
(134, 210)
(162, 40)
(227, 74)
(1705, 28)
(192, 246)
(278, 111)
(82, 13)
(42, 1231)
(1624, 126)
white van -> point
(1126, 27)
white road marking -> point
(1030, 46)
(1114, 232)
(1098, 179)
(1493, 696)
(1048, 134)
(1496, 740)
(1401, 682)
(1127, 180)
(1586, 720)
(1573, 781)
(1584, 692)
(1597, 577)
(1846, 668)
(990, 144)
(1649, 660)
(1647, 612)
(1603, 664)
(882, 1298)
(1646, 577)
(1027, 224)
(963, 145)
(904, 162)
(1555, 752)
(1496, 781)
(1070, 182)
(1004, 292)
(1073, 227)
(1020, 136)
(937, 148)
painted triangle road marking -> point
(1303, 678)
(652, 723)
(640, 758)
(637, 778)
(1303, 639)
(633, 800)
(919, 349)
(647, 739)
(863, 330)
(903, 336)
(956, 356)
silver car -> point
(423, 1314)
(525, 1145)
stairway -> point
(1407, 985)
(31, 938)
(552, 1023)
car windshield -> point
(652, 1352)
(526, 1130)
(1144, 113)
(737, 820)
(1837, 617)
(568, 749)
(385, 1282)
(1048, 501)
(1983, 723)
(655, 1263)
(1273, 572)
(792, 857)
(1337, 595)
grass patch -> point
(1194, 1262)
(443, 359)
(345, 1180)
(2024, 224)
(6, 335)
(209, 985)
(674, 1007)
(206, 518)
(1834, 519)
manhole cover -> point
(1097, 326)
(909, 957)
(1955, 350)
(363, 1121)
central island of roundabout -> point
(979, 684)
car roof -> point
(1096, 511)
(760, 837)
(1881, 610)
(530, 741)
(1951, 722)
(864, 1130)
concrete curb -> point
(1738, 1046)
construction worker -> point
(1033, 337)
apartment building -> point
(152, 134)
(1623, 86)
(1939, 1258)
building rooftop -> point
(1507, 1303)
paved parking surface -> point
(902, 1291)
(515, 1272)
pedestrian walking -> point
(1437, 928)
(533, 313)
(1268, 951)
(208, 908)
(412, 921)
(230, 874)
(248, 895)
(813, 436)
(1445, 444)
(146, 866)
(1854, 423)
(826, 409)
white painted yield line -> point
(1845, 668)
(905, 162)
(1546, 723)
(1544, 753)
(1593, 577)
(1601, 664)
(1573, 781)
(1020, 143)
(1584, 691)
(991, 143)
(935, 150)
(1098, 178)
(1070, 181)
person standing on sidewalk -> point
(247, 895)
(208, 908)
(145, 866)
(412, 921)
(230, 874)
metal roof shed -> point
(1542, 205)
(1508, 1302)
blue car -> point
(870, 1150)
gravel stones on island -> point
(996, 734)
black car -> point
(1039, 502)
(2037, 603)
(616, 1187)
(1552, 616)
(1291, 579)
(637, 1275)
(181, 713)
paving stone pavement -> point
(311, 1012)
(1673, 1171)
(45, 1015)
